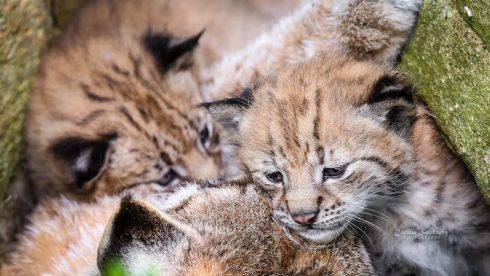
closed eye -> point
(168, 178)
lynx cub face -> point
(326, 140)
(113, 106)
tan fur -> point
(180, 84)
(366, 30)
(104, 56)
(229, 232)
(54, 246)
(101, 52)
(395, 171)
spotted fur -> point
(340, 145)
(309, 21)
(225, 229)
(113, 105)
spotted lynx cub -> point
(198, 230)
(225, 230)
(342, 144)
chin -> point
(321, 235)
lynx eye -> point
(275, 177)
(333, 172)
(168, 178)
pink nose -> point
(305, 218)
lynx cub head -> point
(207, 230)
(103, 117)
(325, 140)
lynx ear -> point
(171, 53)
(392, 103)
(139, 227)
(229, 112)
(83, 159)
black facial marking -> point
(92, 96)
(166, 158)
(124, 111)
(91, 117)
(376, 160)
(245, 100)
(84, 157)
(167, 50)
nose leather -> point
(305, 218)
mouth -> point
(320, 233)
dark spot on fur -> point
(303, 108)
(119, 70)
(316, 122)
(321, 154)
(143, 113)
(165, 158)
(319, 200)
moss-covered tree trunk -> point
(25, 28)
(24, 25)
(449, 60)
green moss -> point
(477, 14)
(23, 26)
(450, 65)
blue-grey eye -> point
(275, 177)
(333, 172)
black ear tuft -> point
(392, 102)
(167, 50)
(134, 226)
(229, 112)
(392, 87)
(84, 158)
